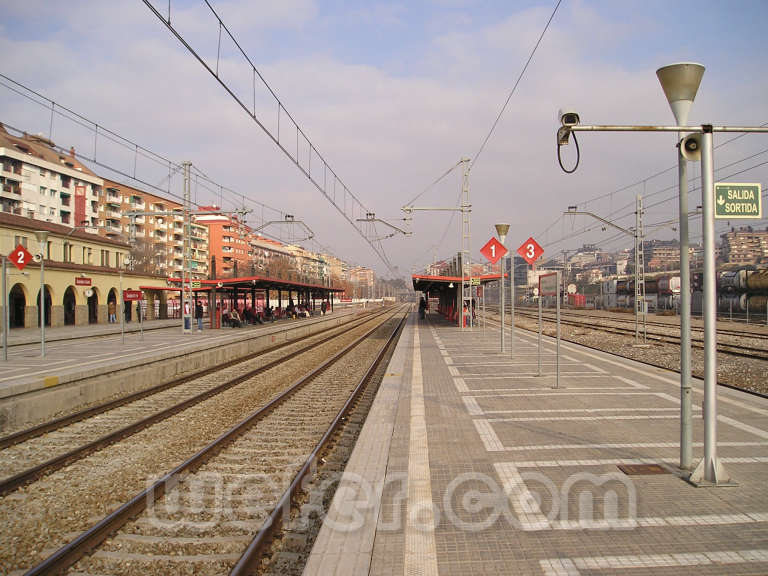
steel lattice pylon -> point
(466, 247)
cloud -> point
(389, 128)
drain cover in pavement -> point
(642, 469)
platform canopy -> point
(434, 284)
(258, 283)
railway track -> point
(626, 327)
(47, 511)
(30, 454)
(215, 512)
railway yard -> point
(742, 359)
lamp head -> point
(41, 235)
(680, 83)
(501, 230)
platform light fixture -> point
(42, 238)
(680, 83)
(501, 230)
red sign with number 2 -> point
(20, 257)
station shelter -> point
(254, 294)
(446, 291)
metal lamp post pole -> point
(501, 230)
(5, 312)
(681, 83)
(709, 470)
(501, 301)
(512, 305)
(42, 237)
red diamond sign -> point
(530, 250)
(20, 257)
(493, 250)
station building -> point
(83, 273)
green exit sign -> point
(738, 200)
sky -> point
(391, 96)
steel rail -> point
(30, 475)
(71, 552)
(252, 555)
(723, 384)
(45, 427)
(723, 347)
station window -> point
(20, 240)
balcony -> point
(11, 188)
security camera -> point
(690, 147)
(568, 117)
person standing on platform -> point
(422, 307)
(112, 311)
(199, 316)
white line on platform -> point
(523, 502)
(472, 406)
(573, 566)
(461, 386)
(625, 461)
(535, 375)
(743, 427)
(420, 551)
(632, 383)
(590, 418)
(580, 410)
(502, 391)
(488, 435)
(622, 445)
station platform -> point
(471, 463)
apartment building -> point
(744, 246)
(40, 182)
(362, 280)
(155, 228)
(228, 242)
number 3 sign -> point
(20, 257)
(530, 250)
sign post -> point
(530, 251)
(549, 285)
(5, 313)
(738, 200)
(20, 258)
(493, 252)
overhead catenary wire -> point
(514, 88)
(346, 209)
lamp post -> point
(680, 83)
(42, 238)
(501, 230)
(696, 146)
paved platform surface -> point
(471, 463)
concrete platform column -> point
(81, 314)
(102, 315)
(31, 316)
(57, 316)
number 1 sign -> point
(493, 250)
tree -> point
(144, 257)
